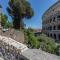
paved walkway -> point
(1, 58)
(36, 54)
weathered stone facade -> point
(51, 22)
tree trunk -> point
(18, 24)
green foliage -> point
(58, 49)
(31, 40)
(47, 44)
(4, 21)
(18, 10)
(43, 42)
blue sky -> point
(39, 7)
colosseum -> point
(51, 21)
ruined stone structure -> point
(51, 22)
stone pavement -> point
(1, 58)
(37, 54)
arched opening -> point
(54, 36)
(58, 27)
(59, 36)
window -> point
(50, 28)
(54, 36)
(58, 27)
(59, 36)
(50, 35)
(53, 19)
(50, 20)
(58, 16)
(47, 28)
(54, 27)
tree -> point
(4, 21)
(18, 10)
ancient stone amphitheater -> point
(10, 49)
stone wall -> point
(11, 49)
(14, 34)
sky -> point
(39, 7)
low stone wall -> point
(14, 34)
(11, 49)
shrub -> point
(43, 42)
(58, 49)
(31, 40)
(47, 44)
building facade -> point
(51, 22)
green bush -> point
(47, 44)
(5, 22)
(31, 40)
(58, 49)
(43, 42)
